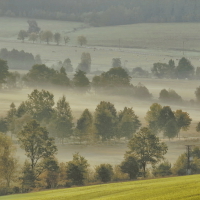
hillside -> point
(176, 188)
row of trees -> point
(19, 59)
(115, 81)
(105, 124)
(183, 70)
(164, 120)
(47, 36)
(42, 169)
(105, 12)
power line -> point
(189, 159)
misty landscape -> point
(96, 92)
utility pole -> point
(183, 48)
(189, 159)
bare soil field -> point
(147, 44)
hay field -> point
(186, 187)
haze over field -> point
(109, 83)
(153, 45)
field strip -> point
(175, 188)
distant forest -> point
(105, 12)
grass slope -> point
(186, 187)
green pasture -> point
(177, 188)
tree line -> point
(105, 12)
(34, 34)
(116, 81)
(37, 122)
(19, 59)
(41, 170)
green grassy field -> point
(176, 188)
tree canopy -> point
(146, 147)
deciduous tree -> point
(57, 38)
(22, 35)
(33, 37)
(105, 121)
(37, 144)
(77, 169)
(104, 172)
(183, 120)
(146, 147)
(47, 36)
(3, 72)
(81, 82)
(130, 167)
(152, 117)
(82, 40)
(84, 125)
(8, 162)
(66, 39)
(85, 64)
(40, 105)
(128, 123)
(63, 119)
(184, 69)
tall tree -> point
(11, 115)
(66, 39)
(37, 144)
(197, 93)
(40, 105)
(104, 172)
(85, 64)
(84, 125)
(3, 72)
(105, 121)
(57, 38)
(63, 119)
(152, 117)
(8, 162)
(77, 169)
(146, 147)
(22, 35)
(130, 167)
(33, 37)
(47, 36)
(184, 69)
(3, 125)
(116, 62)
(183, 120)
(128, 123)
(68, 65)
(33, 27)
(82, 40)
(81, 82)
